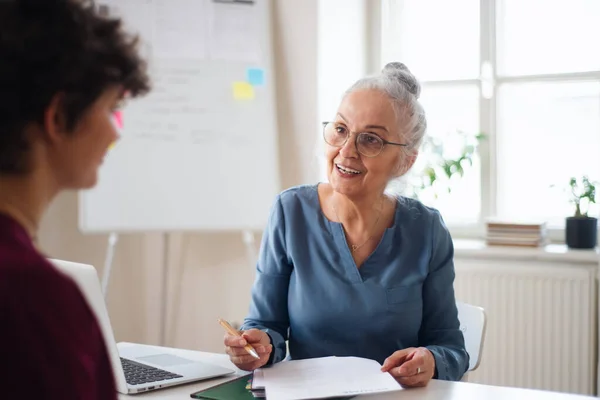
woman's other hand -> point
(234, 347)
(412, 367)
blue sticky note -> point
(256, 76)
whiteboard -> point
(200, 151)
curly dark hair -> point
(51, 47)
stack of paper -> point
(257, 385)
(319, 378)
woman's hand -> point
(412, 367)
(234, 346)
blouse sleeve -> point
(440, 331)
(268, 306)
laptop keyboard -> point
(136, 373)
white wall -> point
(209, 274)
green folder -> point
(231, 390)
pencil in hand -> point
(234, 332)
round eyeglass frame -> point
(383, 141)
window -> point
(452, 109)
(526, 74)
(547, 132)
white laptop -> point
(137, 367)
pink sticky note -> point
(119, 119)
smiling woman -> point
(378, 279)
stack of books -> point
(510, 233)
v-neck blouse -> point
(308, 289)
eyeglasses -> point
(368, 144)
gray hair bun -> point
(401, 73)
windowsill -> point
(555, 234)
(478, 249)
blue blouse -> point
(308, 289)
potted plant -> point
(446, 160)
(581, 229)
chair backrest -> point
(472, 324)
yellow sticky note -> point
(243, 91)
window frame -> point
(488, 149)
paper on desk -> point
(326, 377)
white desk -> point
(436, 390)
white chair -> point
(472, 324)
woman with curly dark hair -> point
(64, 69)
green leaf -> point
(573, 182)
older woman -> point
(346, 269)
(64, 70)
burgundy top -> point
(50, 343)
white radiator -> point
(541, 327)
